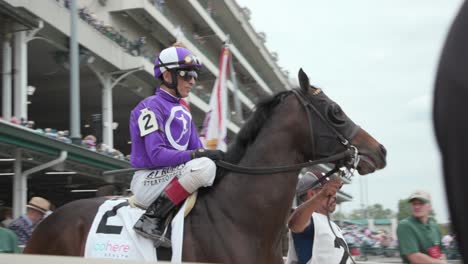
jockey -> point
(166, 146)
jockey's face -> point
(185, 82)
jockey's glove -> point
(211, 154)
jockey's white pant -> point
(147, 185)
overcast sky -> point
(377, 59)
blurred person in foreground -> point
(23, 226)
(418, 235)
(166, 145)
(451, 123)
(8, 239)
(311, 238)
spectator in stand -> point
(90, 142)
(49, 132)
(62, 136)
(30, 124)
(24, 225)
(137, 47)
(14, 120)
(419, 235)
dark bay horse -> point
(240, 219)
(451, 123)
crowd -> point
(370, 242)
(133, 47)
(89, 141)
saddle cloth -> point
(112, 236)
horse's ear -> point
(303, 80)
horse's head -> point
(333, 129)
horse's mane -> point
(252, 126)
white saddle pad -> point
(111, 235)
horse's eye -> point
(336, 115)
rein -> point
(271, 170)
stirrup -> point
(164, 240)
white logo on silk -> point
(180, 115)
(184, 125)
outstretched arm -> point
(300, 218)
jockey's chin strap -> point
(172, 85)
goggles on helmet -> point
(188, 61)
(187, 75)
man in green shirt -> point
(419, 237)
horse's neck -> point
(259, 204)
(264, 194)
(248, 211)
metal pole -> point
(107, 119)
(21, 73)
(19, 186)
(6, 89)
(75, 122)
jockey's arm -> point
(162, 156)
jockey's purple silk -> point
(170, 145)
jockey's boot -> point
(152, 224)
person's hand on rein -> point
(211, 154)
(331, 187)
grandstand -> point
(118, 40)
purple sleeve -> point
(160, 155)
(195, 142)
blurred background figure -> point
(24, 225)
(418, 234)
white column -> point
(6, 69)
(20, 187)
(370, 224)
(21, 76)
(107, 112)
